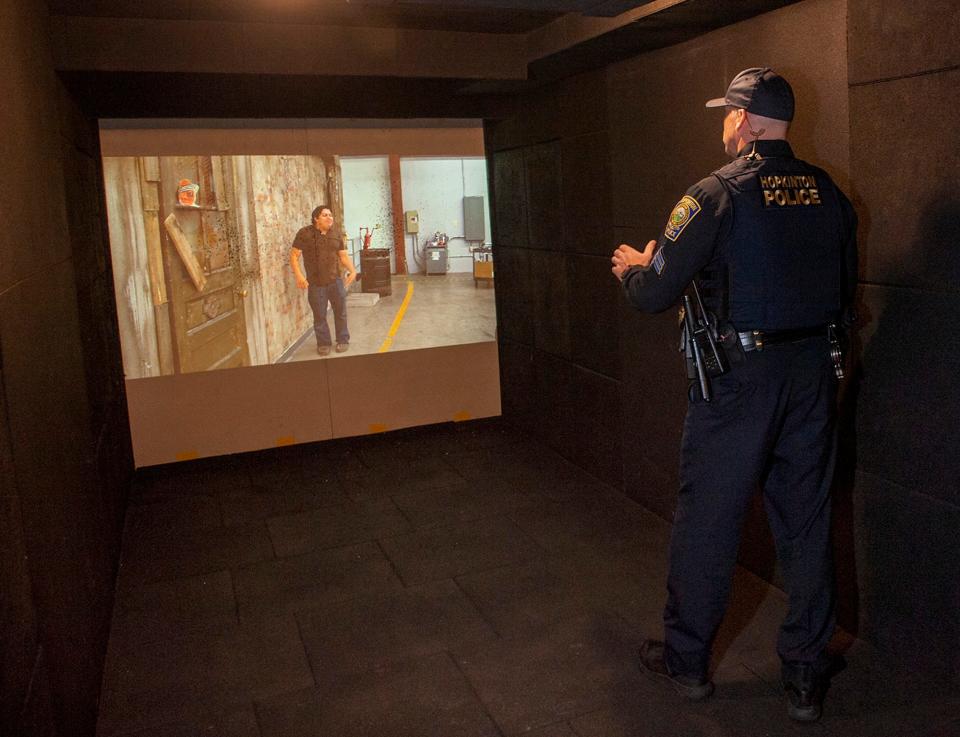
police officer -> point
(771, 241)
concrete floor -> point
(443, 310)
(444, 581)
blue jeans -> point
(336, 293)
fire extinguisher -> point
(367, 235)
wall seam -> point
(910, 75)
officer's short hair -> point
(317, 210)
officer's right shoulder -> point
(733, 168)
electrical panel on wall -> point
(411, 220)
(473, 228)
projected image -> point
(219, 261)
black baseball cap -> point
(759, 90)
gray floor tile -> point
(201, 478)
(256, 503)
(420, 472)
(533, 467)
(241, 723)
(317, 529)
(162, 555)
(304, 469)
(368, 633)
(669, 715)
(522, 599)
(461, 503)
(183, 680)
(444, 552)
(173, 516)
(495, 581)
(292, 584)
(176, 608)
(561, 729)
(425, 697)
(592, 522)
(570, 669)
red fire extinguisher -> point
(366, 234)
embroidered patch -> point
(658, 262)
(685, 211)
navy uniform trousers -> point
(771, 424)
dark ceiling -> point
(477, 16)
(564, 37)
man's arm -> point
(654, 279)
(348, 264)
(302, 282)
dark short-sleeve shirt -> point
(320, 254)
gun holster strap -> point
(757, 340)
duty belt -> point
(757, 340)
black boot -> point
(651, 662)
(806, 684)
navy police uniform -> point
(772, 239)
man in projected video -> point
(325, 259)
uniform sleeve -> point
(848, 280)
(687, 244)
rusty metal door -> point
(200, 262)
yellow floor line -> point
(396, 321)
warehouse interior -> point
(486, 576)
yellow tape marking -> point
(377, 427)
(396, 321)
(188, 455)
(286, 440)
(461, 416)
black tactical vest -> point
(784, 249)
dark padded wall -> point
(556, 300)
(65, 458)
(904, 162)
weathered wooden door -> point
(200, 261)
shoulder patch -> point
(684, 211)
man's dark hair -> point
(317, 210)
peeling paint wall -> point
(285, 191)
(135, 310)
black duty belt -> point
(757, 340)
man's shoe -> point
(652, 663)
(323, 350)
(342, 347)
(806, 684)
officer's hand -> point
(626, 256)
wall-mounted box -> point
(473, 227)
(411, 221)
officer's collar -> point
(772, 147)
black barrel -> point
(375, 270)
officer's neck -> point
(766, 142)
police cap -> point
(759, 90)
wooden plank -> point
(149, 193)
(158, 285)
(182, 245)
(150, 168)
(219, 188)
(164, 341)
(396, 202)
